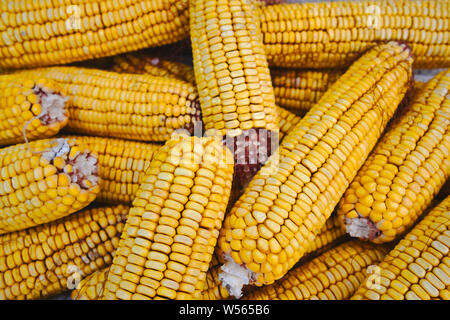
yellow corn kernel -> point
(128, 106)
(298, 90)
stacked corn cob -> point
(267, 230)
(43, 33)
(406, 169)
(174, 222)
(30, 109)
(233, 80)
(333, 34)
(418, 267)
(203, 222)
(128, 106)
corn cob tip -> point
(81, 167)
(53, 105)
(234, 276)
(362, 228)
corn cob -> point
(122, 165)
(418, 268)
(329, 233)
(406, 169)
(41, 33)
(334, 34)
(334, 275)
(91, 287)
(30, 109)
(233, 80)
(50, 258)
(153, 65)
(128, 106)
(174, 223)
(298, 90)
(44, 181)
(287, 203)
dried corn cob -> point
(298, 90)
(44, 181)
(122, 165)
(50, 258)
(406, 169)
(334, 275)
(334, 34)
(128, 106)
(153, 65)
(91, 287)
(233, 80)
(174, 223)
(287, 203)
(329, 233)
(30, 109)
(419, 266)
(41, 33)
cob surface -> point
(418, 268)
(43, 181)
(288, 121)
(334, 275)
(141, 63)
(173, 225)
(53, 257)
(30, 109)
(330, 232)
(151, 65)
(405, 170)
(44, 33)
(91, 287)
(128, 106)
(334, 34)
(121, 166)
(298, 90)
(286, 205)
(233, 80)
